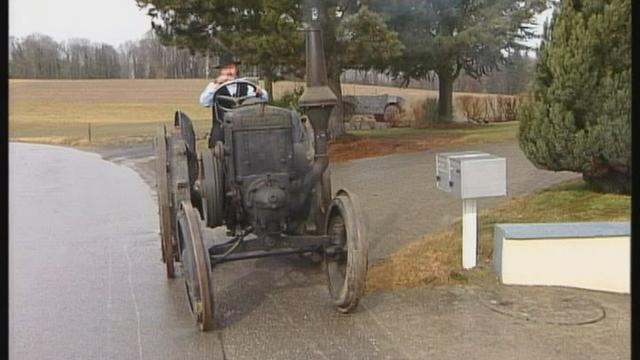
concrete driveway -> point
(86, 280)
(397, 191)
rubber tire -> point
(197, 267)
(347, 295)
(164, 209)
(391, 114)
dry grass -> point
(356, 89)
(60, 103)
(436, 258)
(414, 97)
(487, 109)
(369, 143)
(127, 111)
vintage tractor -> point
(260, 178)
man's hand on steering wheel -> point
(226, 78)
(235, 100)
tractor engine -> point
(267, 163)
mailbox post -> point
(470, 175)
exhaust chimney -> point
(317, 94)
(318, 101)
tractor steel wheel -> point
(162, 189)
(179, 187)
(346, 260)
(185, 126)
(391, 114)
(197, 267)
(213, 187)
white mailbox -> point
(480, 176)
(444, 168)
(470, 175)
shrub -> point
(579, 115)
(473, 108)
(485, 109)
(418, 112)
(289, 98)
(491, 109)
(426, 111)
(506, 108)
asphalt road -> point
(86, 280)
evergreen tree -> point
(265, 34)
(451, 37)
(274, 44)
(579, 117)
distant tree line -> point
(39, 56)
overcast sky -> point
(109, 21)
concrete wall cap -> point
(564, 230)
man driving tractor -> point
(228, 71)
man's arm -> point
(258, 92)
(206, 98)
(262, 94)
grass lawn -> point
(124, 111)
(119, 111)
(436, 258)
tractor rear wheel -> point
(179, 187)
(346, 259)
(164, 209)
(212, 186)
(197, 267)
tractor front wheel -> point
(197, 267)
(346, 258)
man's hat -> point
(227, 59)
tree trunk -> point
(268, 84)
(445, 96)
(611, 182)
(206, 66)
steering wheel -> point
(236, 100)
